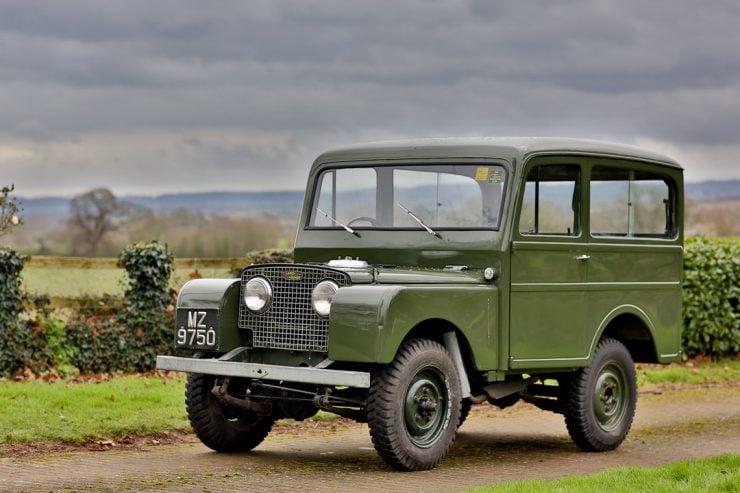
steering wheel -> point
(367, 219)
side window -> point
(551, 201)
(630, 203)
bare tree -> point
(94, 214)
(9, 210)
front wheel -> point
(601, 399)
(219, 426)
(414, 406)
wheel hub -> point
(610, 399)
(425, 407)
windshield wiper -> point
(421, 223)
(347, 228)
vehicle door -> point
(549, 270)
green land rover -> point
(431, 275)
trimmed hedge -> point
(13, 332)
(711, 289)
(129, 337)
(267, 256)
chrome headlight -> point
(322, 295)
(257, 294)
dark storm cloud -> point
(85, 80)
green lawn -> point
(72, 283)
(43, 411)
(693, 373)
(717, 474)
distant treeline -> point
(188, 234)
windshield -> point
(441, 196)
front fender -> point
(368, 323)
(220, 294)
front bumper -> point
(259, 371)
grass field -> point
(720, 474)
(74, 282)
(72, 277)
(50, 411)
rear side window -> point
(631, 203)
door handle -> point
(582, 257)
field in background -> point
(73, 277)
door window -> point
(551, 201)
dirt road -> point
(518, 443)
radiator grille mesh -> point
(289, 322)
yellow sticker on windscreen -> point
(481, 174)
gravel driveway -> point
(518, 443)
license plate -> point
(197, 328)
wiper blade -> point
(346, 228)
(421, 223)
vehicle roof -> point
(519, 148)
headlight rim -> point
(335, 288)
(265, 283)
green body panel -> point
(368, 323)
(548, 322)
(403, 248)
(644, 280)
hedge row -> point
(711, 291)
(105, 335)
(109, 334)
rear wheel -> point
(414, 405)
(219, 426)
(602, 398)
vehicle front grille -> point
(290, 321)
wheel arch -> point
(434, 329)
(631, 326)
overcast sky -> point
(151, 97)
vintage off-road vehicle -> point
(430, 275)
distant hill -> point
(281, 203)
(712, 191)
(287, 203)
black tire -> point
(602, 398)
(413, 407)
(221, 427)
(465, 407)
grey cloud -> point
(319, 73)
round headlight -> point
(257, 294)
(322, 295)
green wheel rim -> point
(426, 407)
(611, 397)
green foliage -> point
(711, 291)
(9, 210)
(13, 332)
(268, 256)
(130, 338)
(713, 474)
(149, 267)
